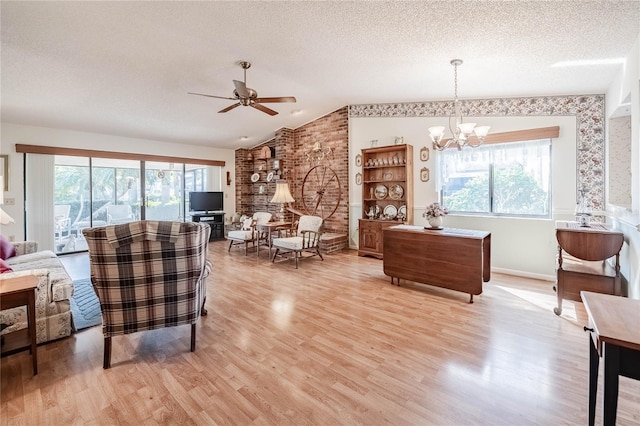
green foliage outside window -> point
(514, 192)
(505, 179)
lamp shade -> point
(282, 195)
(482, 131)
(466, 128)
(5, 219)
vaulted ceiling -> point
(124, 68)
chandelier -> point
(462, 131)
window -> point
(194, 178)
(511, 179)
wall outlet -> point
(10, 201)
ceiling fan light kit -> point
(246, 96)
(462, 131)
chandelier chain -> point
(461, 132)
(455, 81)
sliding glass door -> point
(163, 191)
(71, 202)
(92, 192)
(114, 189)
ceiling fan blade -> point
(211, 96)
(264, 109)
(229, 108)
(277, 99)
(241, 88)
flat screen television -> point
(206, 201)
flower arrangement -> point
(434, 210)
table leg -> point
(31, 312)
(611, 371)
(486, 259)
(594, 362)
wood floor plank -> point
(332, 342)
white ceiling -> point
(124, 68)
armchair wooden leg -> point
(273, 259)
(295, 254)
(106, 363)
(193, 337)
(203, 311)
(319, 254)
(230, 244)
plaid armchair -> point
(148, 275)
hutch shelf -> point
(387, 194)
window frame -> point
(522, 136)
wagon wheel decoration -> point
(321, 192)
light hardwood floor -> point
(330, 343)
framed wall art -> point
(424, 174)
(4, 170)
(424, 154)
(359, 160)
(358, 178)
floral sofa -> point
(53, 312)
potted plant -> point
(434, 214)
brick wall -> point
(332, 132)
(291, 147)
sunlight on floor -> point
(545, 301)
(493, 378)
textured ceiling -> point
(124, 68)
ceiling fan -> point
(247, 96)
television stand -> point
(214, 219)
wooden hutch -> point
(387, 194)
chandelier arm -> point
(475, 145)
(461, 132)
(439, 147)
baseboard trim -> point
(541, 277)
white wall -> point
(522, 246)
(624, 89)
(12, 134)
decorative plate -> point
(396, 192)
(265, 152)
(270, 177)
(381, 192)
(402, 212)
(390, 211)
(387, 176)
(255, 177)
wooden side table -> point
(15, 292)
(589, 270)
(270, 228)
(615, 336)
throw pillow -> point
(4, 267)
(7, 249)
(247, 224)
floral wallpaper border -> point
(588, 110)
